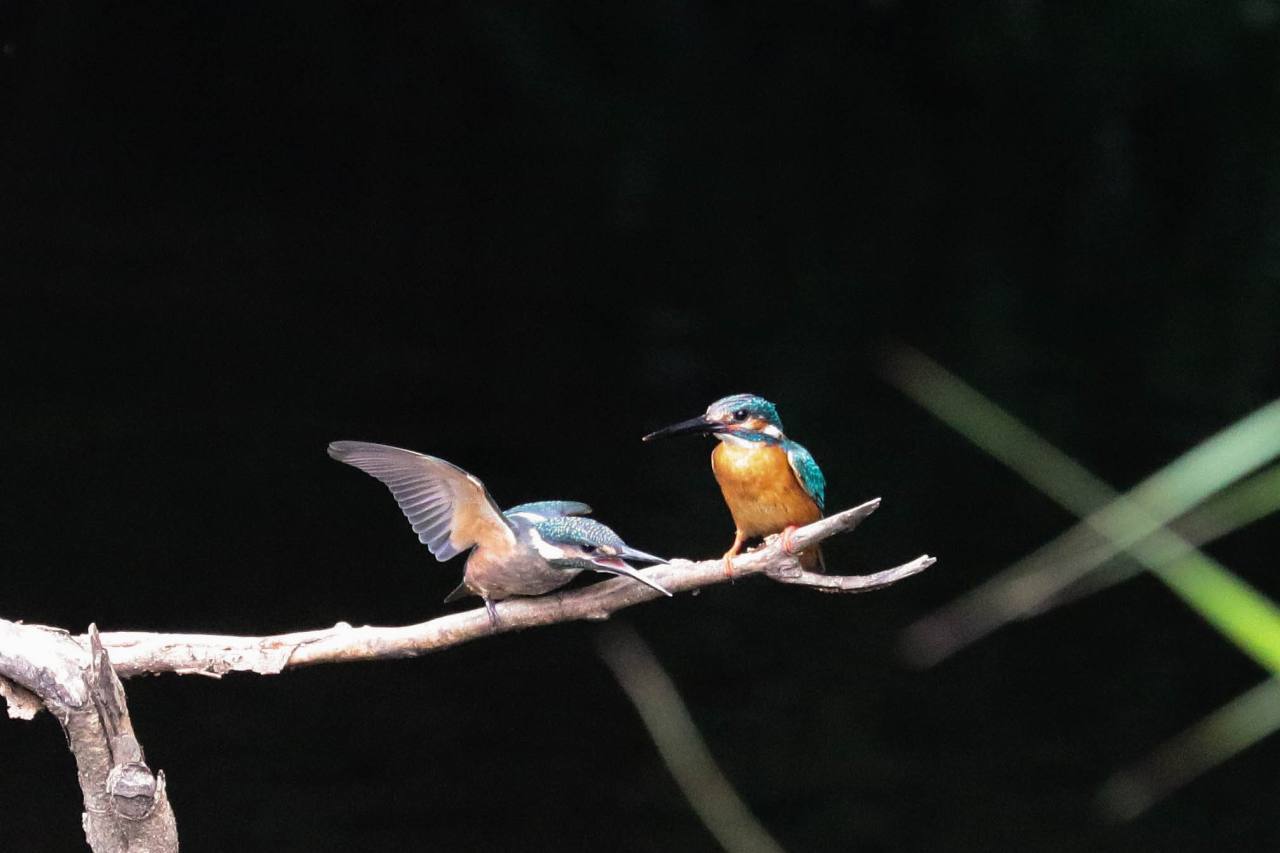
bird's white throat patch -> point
(736, 441)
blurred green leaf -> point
(1235, 507)
(682, 747)
(1112, 523)
(1228, 731)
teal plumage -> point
(549, 509)
(807, 472)
(578, 531)
(743, 407)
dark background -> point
(520, 236)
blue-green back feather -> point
(807, 472)
(550, 509)
(573, 530)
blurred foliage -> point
(1132, 523)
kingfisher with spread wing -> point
(771, 483)
(530, 549)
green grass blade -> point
(1001, 435)
(1134, 522)
(681, 746)
(1226, 732)
(1238, 610)
(1233, 508)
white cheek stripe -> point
(772, 431)
(544, 548)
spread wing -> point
(540, 510)
(807, 472)
(449, 509)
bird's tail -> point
(461, 592)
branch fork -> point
(77, 679)
(126, 807)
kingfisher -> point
(771, 483)
(529, 549)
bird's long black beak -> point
(615, 566)
(700, 424)
(626, 552)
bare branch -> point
(136, 653)
(126, 807)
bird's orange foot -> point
(738, 539)
(786, 542)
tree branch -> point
(137, 653)
(125, 804)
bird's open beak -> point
(700, 424)
(615, 566)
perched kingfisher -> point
(528, 550)
(771, 483)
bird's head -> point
(575, 543)
(570, 542)
(744, 416)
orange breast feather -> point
(760, 488)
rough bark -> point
(126, 807)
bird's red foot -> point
(728, 566)
(786, 543)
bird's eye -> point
(740, 415)
(590, 549)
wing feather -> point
(807, 472)
(449, 509)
